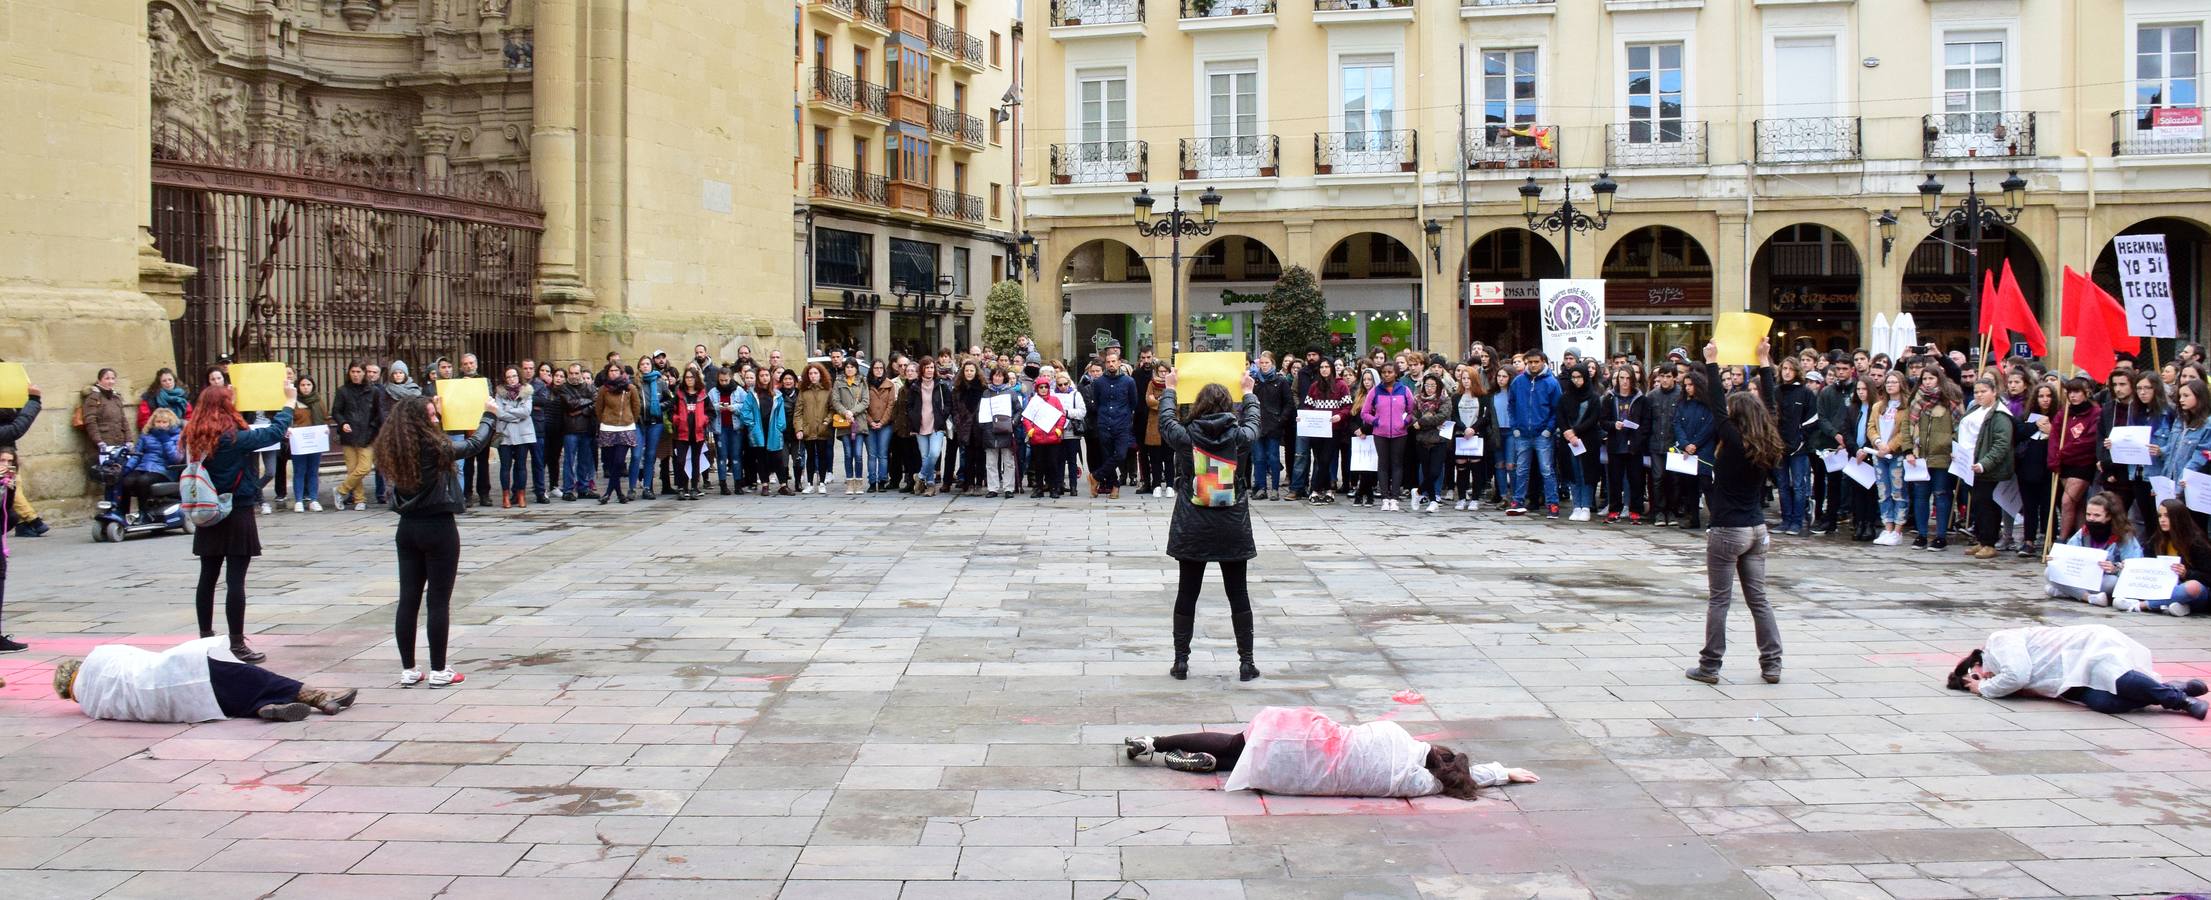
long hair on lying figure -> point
(1452, 770)
(1965, 666)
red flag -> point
(1991, 323)
(2019, 316)
(2085, 315)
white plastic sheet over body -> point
(1302, 752)
(2048, 660)
(132, 685)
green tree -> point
(1296, 315)
(1005, 316)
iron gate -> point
(318, 266)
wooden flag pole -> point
(2057, 478)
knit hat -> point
(65, 678)
(400, 366)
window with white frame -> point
(1232, 111)
(1102, 97)
(2165, 73)
(1972, 82)
(1508, 94)
(1369, 85)
(1654, 92)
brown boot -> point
(521, 500)
(285, 712)
(506, 499)
(328, 701)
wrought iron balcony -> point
(1482, 4)
(1970, 135)
(955, 43)
(1214, 9)
(872, 99)
(1366, 152)
(835, 183)
(1344, 5)
(1242, 156)
(1526, 145)
(2148, 131)
(1815, 139)
(840, 7)
(875, 13)
(954, 205)
(1101, 162)
(1097, 12)
(956, 125)
(1665, 142)
(831, 87)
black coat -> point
(940, 405)
(362, 406)
(438, 488)
(1794, 405)
(1277, 405)
(1209, 533)
(579, 406)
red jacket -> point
(1038, 436)
(690, 417)
(2076, 445)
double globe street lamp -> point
(1177, 223)
(1976, 216)
(1567, 217)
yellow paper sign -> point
(1738, 334)
(260, 386)
(15, 386)
(461, 402)
(1193, 371)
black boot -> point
(1241, 619)
(1184, 625)
(539, 496)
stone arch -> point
(1811, 279)
(1518, 257)
(1234, 257)
(1938, 276)
(1369, 255)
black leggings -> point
(1226, 747)
(429, 556)
(138, 485)
(1390, 465)
(1232, 581)
(234, 594)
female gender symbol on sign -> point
(1573, 309)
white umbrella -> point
(1880, 342)
(1905, 333)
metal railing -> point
(1097, 12)
(2148, 131)
(1365, 152)
(1968, 135)
(1526, 145)
(830, 86)
(837, 183)
(876, 13)
(956, 43)
(873, 99)
(1214, 9)
(957, 125)
(1340, 5)
(1664, 142)
(1485, 3)
(1375, 268)
(946, 204)
(1101, 162)
(1242, 156)
(841, 6)
(1813, 139)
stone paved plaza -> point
(871, 697)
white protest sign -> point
(2196, 488)
(2130, 445)
(2147, 578)
(1467, 445)
(1834, 460)
(2145, 285)
(2165, 488)
(1043, 415)
(2076, 567)
(1363, 456)
(997, 405)
(1680, 463)
(310, 440)
(1916, 470)
(1445, 429)
(1861, 473)
(1315, 423)
(1573, 314)
(2008, 498)
(1961, 463)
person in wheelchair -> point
(152, 463)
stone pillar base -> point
(63, 337)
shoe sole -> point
(1714, 679)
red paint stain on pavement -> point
(1434, 736)
(761, 677)
(1408, 697)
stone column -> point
(562, 298)
(1729, 288)
(437, 146)
(606, 158)
(1882, 292)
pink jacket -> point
(1389, 411)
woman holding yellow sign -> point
(217, 437)
(418, 460)
(1212, 519)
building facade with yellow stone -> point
(1755, 144)
(315, 182)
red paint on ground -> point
(1408, 697)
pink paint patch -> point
(761, 677)
(1409, 697)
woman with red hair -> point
(217, 436)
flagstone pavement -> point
(877, 697)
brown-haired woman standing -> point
(417, 459)
(217, 436)
(1746, 447)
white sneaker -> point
(360, 506)
(1433, 506)
(262, 508)
(1580, 514)
(314, 506)
(2179, 610)
(2053, 592)
(2126, 604)
(410, 677)
(444, 677)
(2099, 598)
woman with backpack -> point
(218, 443)
(417, 460)
(1212, 517)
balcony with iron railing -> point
(835, 183)
(1070, 13)
(840, 8)
(872, 100)
(873, 14)
(829, 87)
(1366, 152)
(959, 46)
(1505, 4)
(956, 206)
(1525, 145)
(1225, 9)
(1101, 162)
(959, 126)
(1655, 142)
(2158, 130)
(1239, 156)
(1328, 12)
(1812, 139)
(1970, 135)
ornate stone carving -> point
(494, 9)
(359, 13)
(339, 133)
(356, 250)
(187, 94)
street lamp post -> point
(1567, 217)
(1976, 215)
(1175, 224)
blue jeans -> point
(879, 454)
(932, 450)
(1935, 493)
(307, 477)
(1267, 452)
(1301, 465)
(648, 449)
(1580, 492)
(1795, 477)
(852, 462)
(729, 455)
(1501, 468)
(578, 457)
(2133, 691)
(514, 466)
(1895, 497)
(1538, 446)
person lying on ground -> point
(1302, 752)
(197, 681)
(2092, 665)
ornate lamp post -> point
(1433, 234)
(1175, 224)
(1976, 215)
(1568, 217)
(1887, 223)
(1025, 252)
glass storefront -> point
(847, 331)
(1132, 332)
(913, 334)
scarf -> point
(172, 399)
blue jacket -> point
(764, 430)
(231, 466)
(2182, 448)
(1117, 402)
(158, 450)
(1533, 402)
(1693, 425)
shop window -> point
(913, 264)
(843, 258)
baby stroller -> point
(160, 512)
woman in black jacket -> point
(1576, 414)
(1865, 503)
(1796, 416)
(1746, 449)
(417, 459)
(1623, 422)
(1212, 519)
